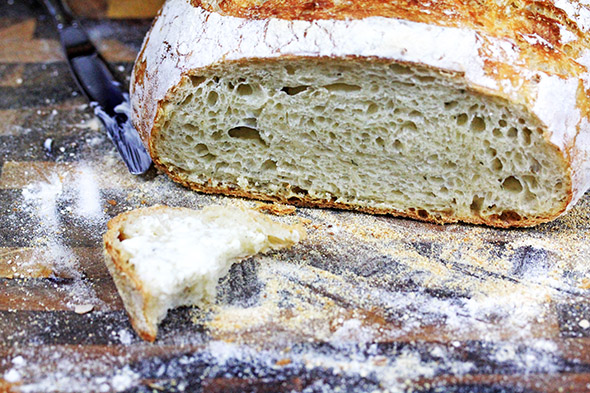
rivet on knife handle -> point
(95, 79)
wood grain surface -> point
(366, 303)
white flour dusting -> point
(125, 336)
(50, 201)
(43, 196)
(74, 372)
(88, 199)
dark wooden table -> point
(365, 304)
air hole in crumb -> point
(217, 135)
(380, 141)
(422, 213)
(398, 145)
(509, 216)
(502, 123)
(477, 124)
(526, 135)
(512, 132)
(497, 133)
(294, 90)
(220, 165)
(246, 133)
(299, 190)
(372, 108)
(244, 90)
(409, 126)
(209, 157)
(400, 69)
(451, 105)
(197, 80)
(462, 119)
(512, 184)
(425, 78)
(476, 203)
(269, 165)
(201, 149)
(497, 164)
(290, 69)
(342, 87)
(212, 98)
(186, 101)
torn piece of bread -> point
(440, 111)
(162, 257)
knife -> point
(94, 78)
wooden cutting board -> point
(367, 303)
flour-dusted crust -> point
(135, 297)
(533, 54)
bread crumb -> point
(83, 308)
(112, 202)
(277, 209)
(283, 362)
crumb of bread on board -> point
(277, 209)
(83, 308)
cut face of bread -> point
(161, 258)
(374, 135)
(442, 112)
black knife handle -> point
(90, 70)
(96, 80)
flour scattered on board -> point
(366, 301)
(71, 370)
(69, 195)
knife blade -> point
(96, 81)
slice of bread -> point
(162, 257)
(438, 112)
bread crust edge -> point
(127, 283)
(417, 214)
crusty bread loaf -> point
(161, 257)
(441, 111)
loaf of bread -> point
(161, 257)
(441, 111)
